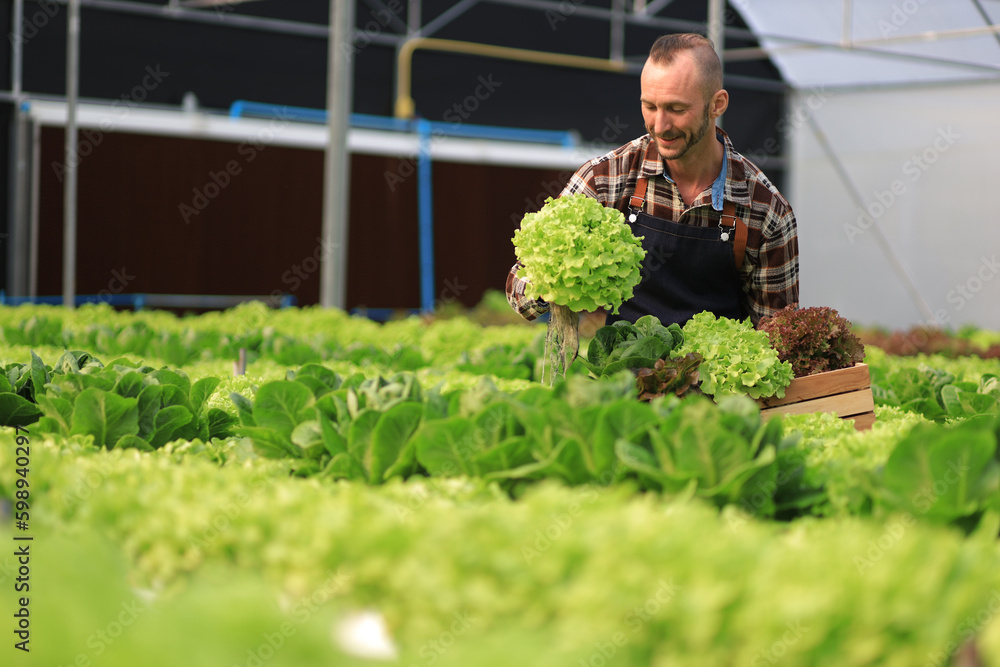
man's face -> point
(674, 107)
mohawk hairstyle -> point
(701, 48)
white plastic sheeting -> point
(877, 42)
(924, 163)
(899, 222)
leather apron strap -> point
(639, 196)
(729, 219)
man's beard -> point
(696, 136)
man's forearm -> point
(523, 305)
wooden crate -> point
(846, 393)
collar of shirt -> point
(729, 184)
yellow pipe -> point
(405, 107)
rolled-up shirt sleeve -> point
(523, 305)
(774, 275)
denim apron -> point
(687, 269)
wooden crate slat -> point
(822, 384)
(863, 422)
(842, 405)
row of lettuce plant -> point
(562, 575)
(291, 337)
(584, 431)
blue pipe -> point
(242, 108)
(557, 137)
(110, 299)
(137, 301)
(425, 216)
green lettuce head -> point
(579, 254)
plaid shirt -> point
(770, 270)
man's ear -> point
(719, 103)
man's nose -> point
(662, 123)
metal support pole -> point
(17, 184)
(17, 231)
(16, 67)
(35, 202)
(717, 33)
(617, 25)
(413, 15)
(847, 24)
(69, 184)
(337, 174)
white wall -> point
(925, 161)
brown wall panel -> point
(184, 216)
(170, 215)
(382, 258)
(476, 212)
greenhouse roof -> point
(861, 43)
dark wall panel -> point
(383, 263)
(165, 215)
(168, 215)
(476, 211)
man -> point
(718, 235)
